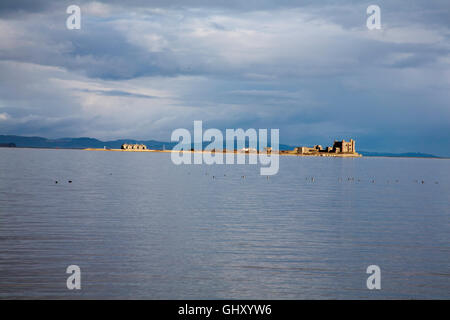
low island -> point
(341, 148)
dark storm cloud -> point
(14, 7)
(11, 6)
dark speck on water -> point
(156, 230)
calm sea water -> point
(140, 227)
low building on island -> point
(133, 147)
(248, 150)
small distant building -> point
(304, 150)
(248, 150)
(133, 147)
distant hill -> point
(407, 154)
(7, 145)
(82, 143)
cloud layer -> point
(312, 69)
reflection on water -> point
(140, 227)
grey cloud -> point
(119, 93)
(433, 12)
(100, 51)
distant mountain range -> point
(406, 154)
(77, 143)
(82, 143)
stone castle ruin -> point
(339, 148)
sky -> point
(141, 69)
